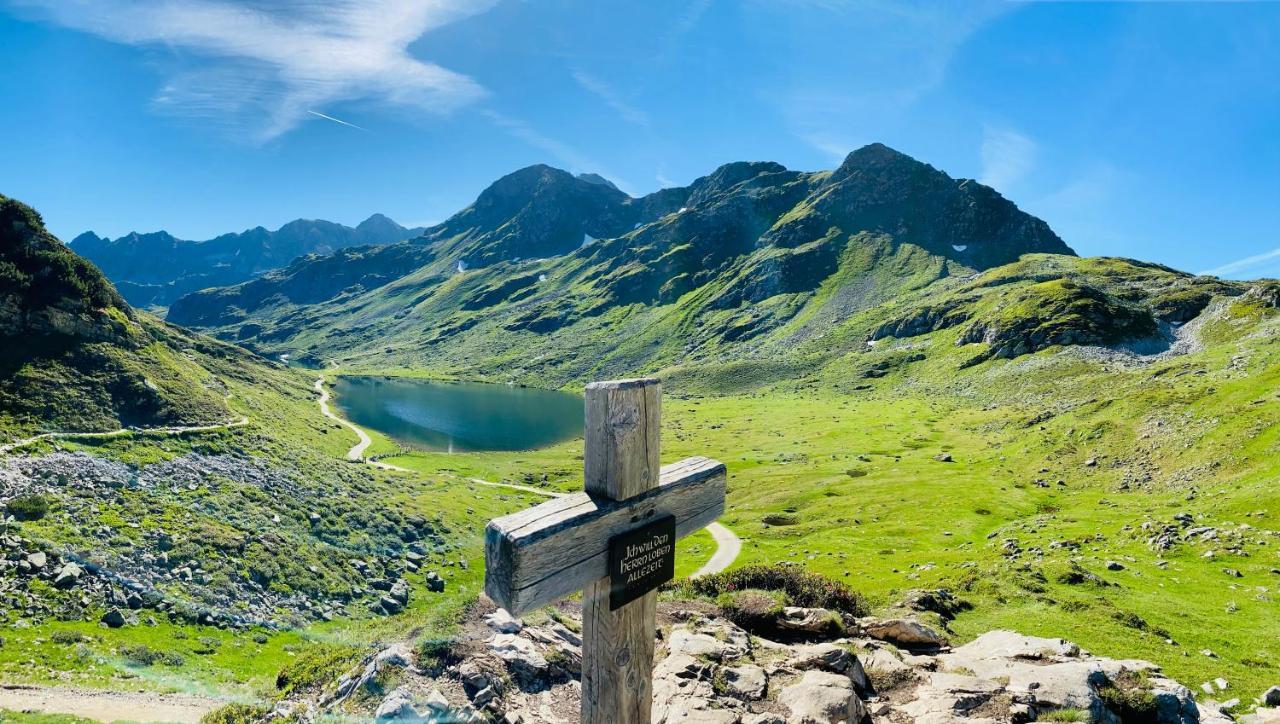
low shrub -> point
(1129, 698)
(802, 587)
(63, 636)
(28, 507)
(235, 714)
(436, 653)
(315, 667)
(140, 655)
(753, 609)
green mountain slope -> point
(152, 270)
(208, 543)
(76, 357)
(554, 277)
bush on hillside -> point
(28, 507)
(753, 609)
(315, 667)
(140, 655)
(803, 588)
(235, 714)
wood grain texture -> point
(617, 657)
(620, 458)
(555, 549)
(620, 463)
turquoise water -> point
(460, 416)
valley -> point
(914, 385)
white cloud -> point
(263, 66)
(1007, 157)
(1269, 260)
(611, 98)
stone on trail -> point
(520, 655)
(822, 698)
(1271, 697)
(903, 632)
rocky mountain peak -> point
(595, 178)
(46, 289)
(729, 175)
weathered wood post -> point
(620, 461)
(615, 542)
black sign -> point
(640, 560)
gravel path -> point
(179, 430)
(728, 546)
(107, 706)
(357, 451)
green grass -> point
(851, 483)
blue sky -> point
(1146, 129)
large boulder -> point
(821, 697)
(829, 657)
(903, 632)
(397, 706)
(67, 576)
(521, 656)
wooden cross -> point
(615, 542)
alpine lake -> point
(460, 416)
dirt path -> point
(179, 430)
(357, 451)
(728, 546)
(107, 706)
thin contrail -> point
(337, 120)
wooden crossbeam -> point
(555, 549)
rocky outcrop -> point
(709, 670)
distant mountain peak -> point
(595, 178)
(155, 268)
(875, 156)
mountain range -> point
(152, 270)
(916, 386)
(551, 274)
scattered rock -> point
(814, 621)
(903, 632)
(397, 706)
(435, 583)
(822, 698)
(746, 682)
(113, 618)
(503, 622)
(67, 576)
